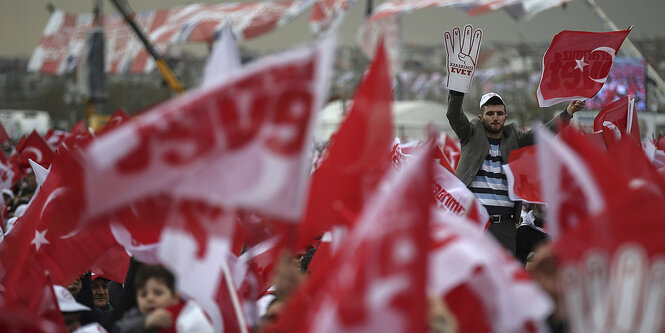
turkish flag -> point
(484, 288)
(356, 158)
(621, 115)
(636, 168)
(36, 243)
(576, 65)
(54, 138)
(79, 135)
(376, 281)
(36, 149)
(119, 117)
(577, 180)
(611, 271)
(523, 179)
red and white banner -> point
(482, 285)
(576, 65)
(62, 41)
(450, 194)
(327, 14)
(376, 281)
(385, 19)
(611, 273)
(577, 180)
(243, 143)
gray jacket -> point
(473, 138)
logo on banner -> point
(572, 68)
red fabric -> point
(383, 256)
(36, 243)
(526, 179)
(591, 52)
(612, 263)
(175, 312)
(356, 157)
(3, 134)
(80, 135)
(321, 258)
(119, 117)
(617, 113)
(113, 264)
(36, 149)
(469, 311)
(55, 137)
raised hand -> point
(462, 54)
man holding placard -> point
(486, 142)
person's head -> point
(75, 287)
(492, 113)
(155, 288)
(100, 291)
(71, 310)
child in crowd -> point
(159, 308)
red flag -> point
(451, 149)
(611, 269)
(483, 286)
(119, 117)
(577, 180)
(636, 168)
(523, 179)
(35, 245)
(356, 157)
(327, 13)
(55, 137)
(3, 134)
(576, 65)
(450, 194)
(621, 115)
(36, 149)
(213, 146)
(198, 253)
(376, 281)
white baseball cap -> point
(487, 97)
(66, 301)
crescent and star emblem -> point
(581, 63)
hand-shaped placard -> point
(462, 54)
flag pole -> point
(162, 66)
(632, 50)
(234, 297)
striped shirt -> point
(490, 185)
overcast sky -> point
(22, 22)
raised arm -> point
(458, 121)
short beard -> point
(488, 128)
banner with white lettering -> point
(61, 45)
(241, 143)
(450, 194)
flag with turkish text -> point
(376, 281)
(576, 65)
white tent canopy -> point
(410, 118)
